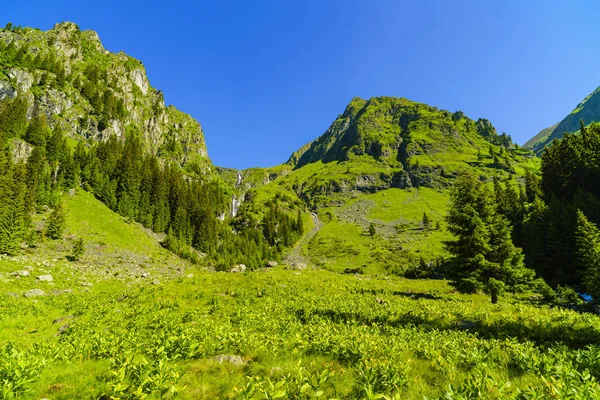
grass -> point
(400, 238)
(357, 333)
(297, 334)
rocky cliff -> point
(92, 93)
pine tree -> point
(479, 155)
(14, 219)
(372, 230)
(56, 223)
(78, 250)
(299, 223)
(426, 221)
(37, 132)
(483, 249)
(13, 118)
(588, 254)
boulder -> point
(34, 293)
(238, 268)
(21, 273)
(298, 266)
(272, 264)
(235, 360)
(45, 278)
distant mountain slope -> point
(390, 142)
(392, 130)
(540, 137)
(587, 111)
(384, 161)
(92, 93)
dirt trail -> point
(295, 256)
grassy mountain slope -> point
(385, 162)
(117, 251)
(587, 111)
(540, 137)
(92, 93)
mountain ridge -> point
(587, 111)
(92, 93)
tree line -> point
(507, 232)
(132, 182)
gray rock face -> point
(7, 91)
(65, 106)
(238, 268)
(231, 359)
(45, 278)
(23, 79)
(34, 293)
(21, 150)
(272, 264)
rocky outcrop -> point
(83, 80)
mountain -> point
(91, 93)
(587, 111)
(113, 223)
(383, 162)
(388, 142)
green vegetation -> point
(258, 334)
(56, 223)
(130, 270)
(78, 250)
(483, 251)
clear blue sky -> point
(266, 77)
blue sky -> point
(266, 77)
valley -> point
(408, 252)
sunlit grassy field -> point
(287, 334)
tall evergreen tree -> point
(588, 254)
(483, 248)
(56, 222)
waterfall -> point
(235, 206)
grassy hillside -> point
(385, 162)
(115, 247)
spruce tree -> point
(78, 250)
(372, 230)
(37, 132)
(56, 223)
(483, 248)
(14, 219)
(588, 254)
(426, 220)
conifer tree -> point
(588, 254)
(14, 219)
(13, 118)
(37, 132)
(372, 229)
(78, 250)
(56, 222)
(483, 248)
(426, 220)
(299, 223)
